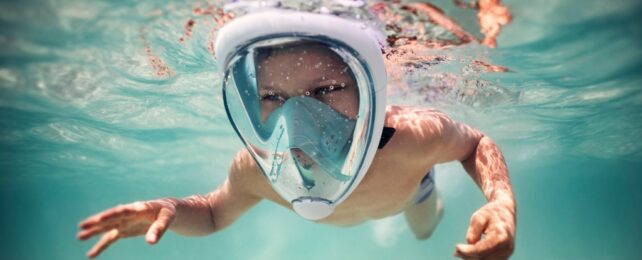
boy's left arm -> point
(484, 162)
(496, 219)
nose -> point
(303, 159)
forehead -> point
(299, 53)
(300, 64)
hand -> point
(496, 222)
(134, 219)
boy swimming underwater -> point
(307, 96)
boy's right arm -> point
(192, 216)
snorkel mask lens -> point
(306, 93)
(302, 108)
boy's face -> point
(308, 69)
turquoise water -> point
(86, 123)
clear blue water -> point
(86, 123)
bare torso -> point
(391, 181)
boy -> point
(306, 94)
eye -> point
(271, 96)
(327, 89)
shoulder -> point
(430, 132)
(245, 177)
(420, 122)
(243, 166)
(420, 132)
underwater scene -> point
(104, 103)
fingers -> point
(92, 231)
(482, 249)
(105, 241)
(110, 219)
(114, 213)
(478, 224)
(495, 244)
(158, 228)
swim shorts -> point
(426, 187)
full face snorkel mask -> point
(313, 150)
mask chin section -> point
(302, 160)
(304, 164)
(313, 208)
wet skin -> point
(310, 70)
(423, 138)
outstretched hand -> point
(152, 218)
(495, 221)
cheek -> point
(266, 110)
(346, 103)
